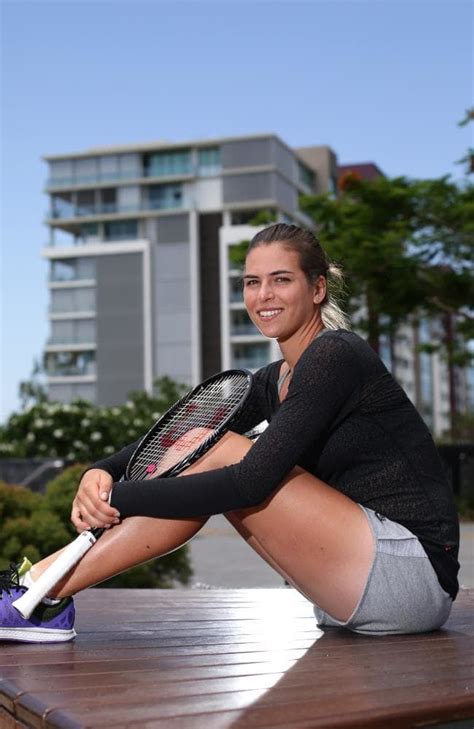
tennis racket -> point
(179, 438)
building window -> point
(241, 324)
(85, 203)
(59, 364)
(108, 200)
(121, 230)
(167, 164)
(209, 161)
(161, 197)
(235, 290)
(251, 356)
(62, 205)
(305, 175)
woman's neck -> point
(293, 348)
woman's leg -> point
(318, 539)
(136, 540)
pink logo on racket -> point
(151, 468)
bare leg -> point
(314, 536)
(134, 541)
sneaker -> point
(47, 624)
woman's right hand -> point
(90, 507)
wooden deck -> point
(216, 659)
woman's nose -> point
(265, 292)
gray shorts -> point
(402, 594)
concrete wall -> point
(120, 329)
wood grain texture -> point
(240, 659)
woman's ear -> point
(320, 289)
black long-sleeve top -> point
(345, 420)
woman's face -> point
(279, 298)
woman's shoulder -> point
(342, 347)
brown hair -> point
(313, 262)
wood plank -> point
(234, 660)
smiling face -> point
(279, 299)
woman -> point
(343, 494)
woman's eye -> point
(251, 282)
(282, 279)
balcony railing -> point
(132, 174)
(243, 329)
(68, 370)
(66, 341)
(80, 211)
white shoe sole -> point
(37, 635)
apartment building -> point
(142, 279)
(134, 240)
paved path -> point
(221, 558)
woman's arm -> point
(326, 375)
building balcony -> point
(107, 209)
(59, 343)
(73, 370)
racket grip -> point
(51, 576)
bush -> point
(34, 525)
(81, 431)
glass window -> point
(251, 356)
(306, 175)
(167, 164)
(235, 289)
(62, 206)
(63, 270)
(209, 161)
(165, 196)
(108, 200)
(70, 363)
(87, 169)
(240, 323)
(121, 230)
(85, 203)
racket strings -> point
(189, 427)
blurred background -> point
(144, 143)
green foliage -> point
(405, 245)
(81, 431)
(264, 217)
(35, 526)
(237, 254)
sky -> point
(377, 80)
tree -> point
(407, 249)
(366, 229)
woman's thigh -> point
(314, 536)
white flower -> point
(115, 411)
(138, 422)
(96, 435)
(78, 444)
(30, 437)
(58, 433)
(155, 416)
(109, 449)
(85, 422)
(38, 423)
(129, 404)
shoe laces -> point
(9, 578)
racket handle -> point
(51, 576)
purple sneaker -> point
(48, 623)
